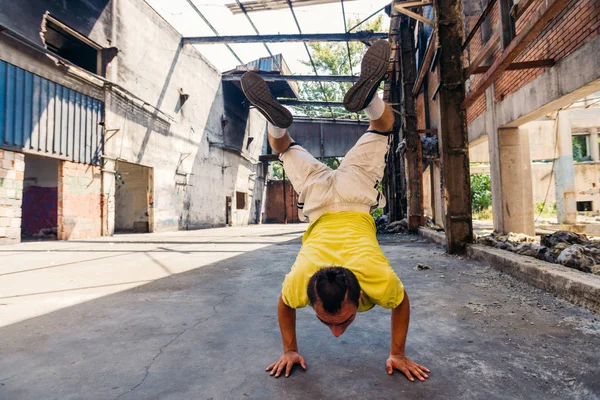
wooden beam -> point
(488, 9)
(307, 37)
(401, 8)
(295, 78)
(452, 137)
(518, 65)
(407, 4)
(528, 34)
(425, 65)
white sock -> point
(375, 108)
(276, 131)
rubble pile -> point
(384, 226)
(563, 247)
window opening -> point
(583, 206)
(581, 150)
(71, 45)
(240, 200)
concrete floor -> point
(192, 315)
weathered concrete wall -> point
(587, 182)
(91, 18)
(79, 201)
(12, 167)
(195, 160)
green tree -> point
(332, 59)
(277, 168)
(481, 192)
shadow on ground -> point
(209, 334)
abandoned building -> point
(92, 145)
(146, 224)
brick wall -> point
(79, 201)
(275, 208)
(574, 26)
(12, 167)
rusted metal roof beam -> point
(306, 37)
(266, 5)
(303, 103)
(297, 78)
(527, 35)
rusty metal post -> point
(394, 174)
(452, 134)
(413, 156)
(284, 199)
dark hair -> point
(330, 285)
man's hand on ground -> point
(286, 362)
(407, 367)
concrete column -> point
(108, 197)
(564, 172)
(515, 179)
(594, 152)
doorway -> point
(39, 219)
(133, 198)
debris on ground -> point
(429, 223)
(383, 226)
(563, 247)
(422, 267)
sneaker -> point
(373, 69)
(259, 94)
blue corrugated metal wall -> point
(41, 116)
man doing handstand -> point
(340, 269)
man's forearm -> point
(287, 325)
(400, 320)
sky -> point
(326, 18)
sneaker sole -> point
(259, 94)
(373, 68)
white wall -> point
(40, 171)
(180, 139)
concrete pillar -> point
(564, 172)
(594, 151)
(108, 197)
(515, 178)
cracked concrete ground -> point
(192, 315)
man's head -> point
(334, 293)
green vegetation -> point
(580, 148)
(332, 59)
(481, 194)
(547, 210)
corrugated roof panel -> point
(41, 116)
